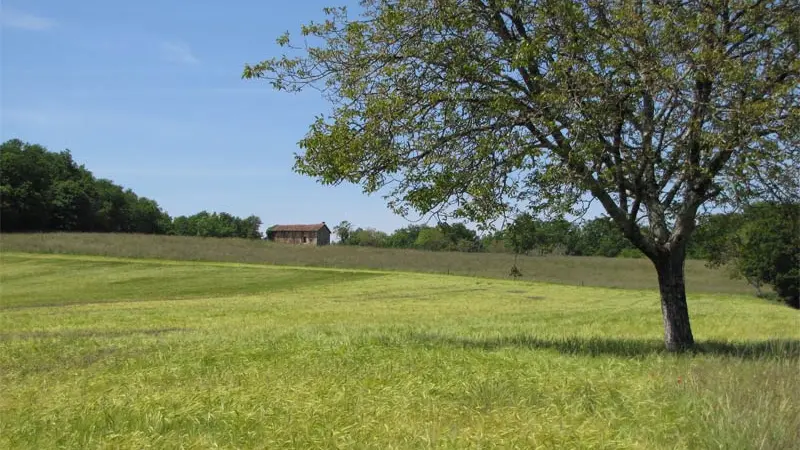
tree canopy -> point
(479, 107)
(42, 190)
(49, 191)
(762, 245)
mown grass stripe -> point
(378, 361)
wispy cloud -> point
(178, 52)
(23, 21)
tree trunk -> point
(677, 330)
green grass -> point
(109, 353)
(101, 280)
(569, 270)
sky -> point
(149, 94)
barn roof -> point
(299, 227)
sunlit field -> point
(113, 353)
(623, 273)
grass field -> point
(576, 271)
(102, 352)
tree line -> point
(760, 243)
(41, 191)
(442, 237)
(529, 236)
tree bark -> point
(677, 330)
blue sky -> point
(149, 94)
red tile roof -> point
(311, 227)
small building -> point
(313, 234)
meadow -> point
(623, 273)
(111, 352)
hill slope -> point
(570, 270)
(136, 354)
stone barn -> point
(314, 234)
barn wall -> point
(323, 237)
(318, 237)
(296, 237)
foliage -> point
(602, 237)
(219, 225)
(443, 237)
(404, 237)
(431, 239)
(367, 237)
(521, 236)
(457, 237)
(560, 236)
(711, 240)
(655, 109)
(343, 231)
(494, 242)
(545, 236)
(595, 237)
(764, 248)
(473, 108)
(48, 191)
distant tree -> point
(181, 226)
(225, 224)
(494, 242)
(343, 231)
(431, 238)
(217, 224)
(405, 237)
(521, 236)
(250, 228)
(444, 236)
(765, 249)
(112, 212)
(368, 237)
(459, 237)
(71, 205)
(654, 109)
(602, 237)
(555, 235)
(26, 178)
(714, 234)
(203, 224)
(147, 217)
(45, 191)
(49, 191)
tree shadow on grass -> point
(620, 347)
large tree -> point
(656, 109)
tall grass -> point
(342, 359)
(570, 270)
